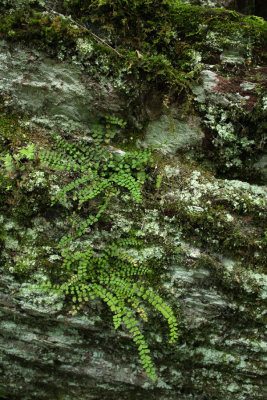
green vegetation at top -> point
(155, 40)
(137, 20)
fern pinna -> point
(110, 274)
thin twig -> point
(97, 38)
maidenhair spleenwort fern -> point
(110, 274)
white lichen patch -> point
(198, 192)
(9, 225)
(144, 255)
(122, 223)
(84, 46)
(35, 179)
(25, 262)
(36, 301)
(54, 257)
(232, 56)
(11, 243)
(247, 86)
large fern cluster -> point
(109, 273)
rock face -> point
(195, 92)
(173, 135)
(53, 92)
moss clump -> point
(237, 138)
(12, 133)
(152, 40)
(209, 226)
(142, 24)
(160, 37)
(39, 28)
(139, 16)
(226, 216)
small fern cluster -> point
(101, 170)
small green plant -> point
(9, 162)
(13, 162)
(28, 153)
(110, 273)
(158, 181)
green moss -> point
(148, 39)
(160, 22)
(12, 134)
(210, 228)
(223, 215)
(236, 136)
(40, 28)
(20, 4)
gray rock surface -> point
(54, 355)
(172, 135)
(55, 93)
